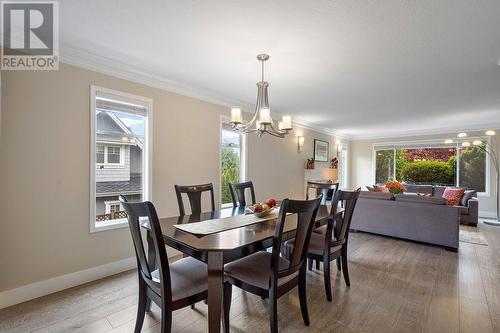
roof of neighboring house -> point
(110, 128)
(134, 185)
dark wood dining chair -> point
(332, 245)
(193, 193)
(238, 193)
(171, 286)
(270, 275)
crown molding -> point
(435, 131)
(80, 58)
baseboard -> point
(488, 215)
(58, 283)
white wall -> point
(362, 172)
(44, 178)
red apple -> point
(271, 202)
(257, 208)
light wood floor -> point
(396, 286)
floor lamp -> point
(486, 146)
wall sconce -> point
(300, 142)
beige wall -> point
(362, 172)
(44, 212)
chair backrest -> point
(145, 265)
(194, 194)
(238, 193)
(348, 200)
(305, 211)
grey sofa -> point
(423, 219)
(469, 205)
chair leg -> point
(303, 296)
(148, 305)
(141, 307)
(317, 265)
(166, 318)
(345, 270)
(310, 264)
(193, 306)
(338, 264)
(273, 310)
(326, 276)
(228, 290)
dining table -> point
(219, 248)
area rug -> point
(472, 235)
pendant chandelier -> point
(261, 122)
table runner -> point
(226, 223)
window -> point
(120, 154)
(113, 207)
(432, 163)
(342, 151)
(108, 155)
(232, 157)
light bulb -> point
(466, 144)
(477, 142)
(490, 133)
(462, 135)
(448, 141)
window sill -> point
(227, 205)
(108, 225)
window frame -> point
(147, 153)
(435, 143)
(243, 159)
(343, 165)
(106, 163)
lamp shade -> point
(330, 174)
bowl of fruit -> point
(263, 209)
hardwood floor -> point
(396, 286)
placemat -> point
(227, 223)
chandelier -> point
(261, 122)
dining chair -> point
(171, 286)
(270, 275)
(238, 193)
(332, 245)
(194, 195)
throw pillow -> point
(466, 197)
(453, 195)
(379, 188)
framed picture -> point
(321, 149)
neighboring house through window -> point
(120, 154)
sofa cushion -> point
(463, 210)
(438, 191)
(412, 188)
(376, 195)
(380, 188)
(420, 199)
(453, 195)
(467, 196)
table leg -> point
(215, 290)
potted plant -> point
(395, 187)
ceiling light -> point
(261, 122)
(490, 133)
(462, 135)
(477, 142)
(466, 144)
(448, 141)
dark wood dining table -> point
(222, 247)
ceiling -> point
(356, 67)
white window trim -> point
(345, 172)
(243, 156)
(108, 205)
(106, 164)
(486, 193)
(148, 149)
